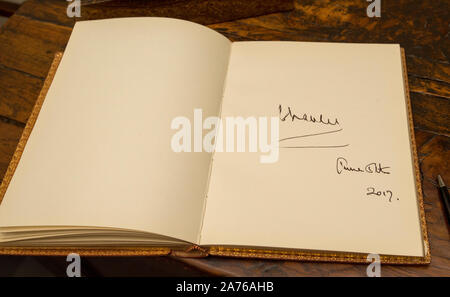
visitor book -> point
(154, 136)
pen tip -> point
(440, 181)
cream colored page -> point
(100, 153)
(302, 201)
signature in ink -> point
(320, 119)
(343, 165)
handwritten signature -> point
(320, 119)
(343, 165)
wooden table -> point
(40, 28)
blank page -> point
(100, 152)
(342, 183)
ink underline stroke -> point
(314, 146)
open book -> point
(159, 134)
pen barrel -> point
(446, 198)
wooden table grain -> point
(40, 28)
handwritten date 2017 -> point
(387, 193)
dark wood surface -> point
(7, 8)
(30, 38)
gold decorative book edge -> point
(196, 251)
(29, 126)
(423, 221)
(85, 251)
